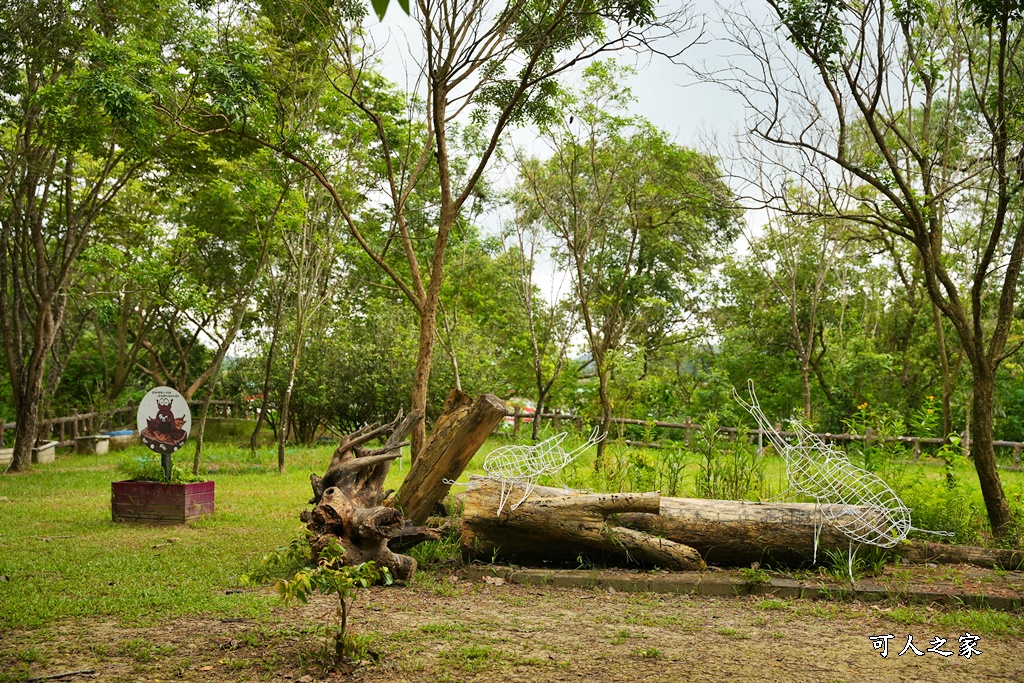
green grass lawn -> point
(63, 555)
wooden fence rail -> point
(64, 430)
(689, 425)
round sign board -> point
(164, 420)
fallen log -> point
(566, 528)
(723, 532)
(729, 532)
(919, 552)
(349, 500)
(457, 435)
(737, 533)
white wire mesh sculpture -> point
(524, 465)
(853, 500)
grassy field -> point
(63, 556)
(163, 602)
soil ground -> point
(443, 628)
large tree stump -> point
(349, 499)
(552, 526)
(457, 435)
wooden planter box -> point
(158, 503)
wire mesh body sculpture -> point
(524, 465)
(853, 500)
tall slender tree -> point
(904, 116)
(637, 218)
(484, 69)
(76, 128)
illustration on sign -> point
(164, 420)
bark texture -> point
(553, 527)
(459, 432)
(349, 500)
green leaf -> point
(381, 6)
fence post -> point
(131, 414)
(917, 449)
(92, 419)
(517, 421)
(74, 425)
(687, 426)
(1016, 449)
(555, 419)
(2, 432)
(965, 441)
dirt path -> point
(444, 630)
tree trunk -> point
(455, 438)
(26, 432)
(201, 432)
(349, 500)
(286, 403)
(920, 552)
(723, 532)
(606, 417)
(947, 385)
(282, 433)
(565, 528)
(805, 384)
(738, 533)
(265, 402)
(983, 451)
(421, 378)
(29, 392)
(536, 417)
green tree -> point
(467, 76)
(639, 220)
(905, 117)
(550, 323)
(75, 128)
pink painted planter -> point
(157, 503)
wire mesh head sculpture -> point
(856, 502)
(524, 465)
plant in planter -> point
(161, 493)
(148, 494)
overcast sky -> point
(666, 93)
(695, 114)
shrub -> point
(148, 468)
